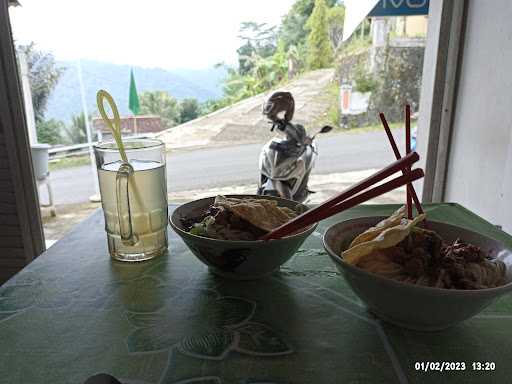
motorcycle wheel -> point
(303, 191)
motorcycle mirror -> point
(325, 129)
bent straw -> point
(392, 141)
(115, 123)
(396, 166)
(115, 126)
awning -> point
(357, 10)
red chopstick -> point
(375, 192)
(392, 141)
(306, 220)
(407, 150)
(342, 201)
(394, 167)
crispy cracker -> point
(387, 238)
(375, 231)
(262, 213)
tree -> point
(293, 31)
(43, 75)
(267, 58)
(189, 109)
(335, 19)
(297, 56)
(77, 130)
(260, 40)
(49, 131)
(160, 103)
(318, 44)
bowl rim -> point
(461, 292)
(307, 230)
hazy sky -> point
(150, 33)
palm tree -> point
(77, 132)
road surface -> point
(237, 165)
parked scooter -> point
(286, 163)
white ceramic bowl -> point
(239, 260)
(411, 306)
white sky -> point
(170, 34)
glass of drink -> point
(134, 198)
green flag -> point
(133, 102)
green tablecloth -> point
(73, 313)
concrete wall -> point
(411, 26)
(479, 174)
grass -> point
(68, 162)
(356, 45)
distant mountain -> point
(65, 100)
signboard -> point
(353, 103)
(345, 91)
(400, 8)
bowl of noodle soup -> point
(229, 246)
(421, 303)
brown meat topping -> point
(427, 260)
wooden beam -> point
(22, 185)
(441, 69)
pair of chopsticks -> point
(411, 193)
(353, 196)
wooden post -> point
(21, 233)
(445, 41)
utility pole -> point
(96, 197)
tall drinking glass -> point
(134, 198)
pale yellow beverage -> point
(143, 214)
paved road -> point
(237, 165)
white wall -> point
(480, 159)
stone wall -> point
(397, 73)
(399, 76)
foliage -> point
(335, 19)
(297, 56)
(160, 103)
(293, 29)
(260, 40)
(189, 109)
(333, 112)
(68, 162)
(268, 58)
(364, 81)
(319, 48)
(213, 105)
(43, 76)
(76, 132)
(356, 45)
(49, 131)
(264, 74)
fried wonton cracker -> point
(373, 232)
(386, 238)
(262, 213)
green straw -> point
(115, 123)
(115, 126)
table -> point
(73, 313)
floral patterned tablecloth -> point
(73, 313)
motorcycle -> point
(286, 163)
